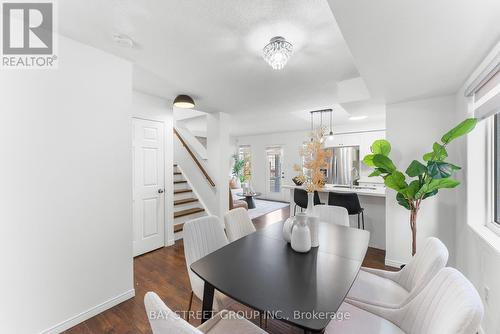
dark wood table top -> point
(263, 272)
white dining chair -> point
(391, 289)
(238, 224)
(203, 236)
(449, 304)
(332, 214)
(164, 321)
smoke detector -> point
(123, 40)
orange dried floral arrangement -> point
(315, 160)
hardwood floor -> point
(164, 272)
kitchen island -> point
(372, 199)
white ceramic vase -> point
(312, 220)
(310, 204)
(313, 223)
(301, 235)
(287, 229)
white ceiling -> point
(412, 48)
(393, 51)
(211, 50)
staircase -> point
(186, 204)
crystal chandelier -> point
(277, 52)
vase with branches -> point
(315, 160)
(423, 179)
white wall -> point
(477, 248)
(158, 109)
(65, 191)
(219, 158)
(412, 128)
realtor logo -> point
(28, 35)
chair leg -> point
(358, 222)
(363, 218)
(262, 320)
(190, 305)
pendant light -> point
(328, 142)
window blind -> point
(486, 91)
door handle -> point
(160, 191)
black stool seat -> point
(350, 201)
(300, 199)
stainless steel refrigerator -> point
(344, 165)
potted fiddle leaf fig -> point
(423, 179)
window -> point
(485, 94)
(245, 153)
(275, 172)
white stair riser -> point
(184, 219)
(181, 186)
(186, 206)
(179, 177)
(184, 195)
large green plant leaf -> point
(430, 194)
(396, 181)
(461, 129)
(403, 201)
(368, 160)
(384, 163)
(438, 153)
(440, 170)
(381, 146)
(376, 172)
(436, 184)
(415, 169)
(410, 191)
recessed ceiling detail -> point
(277, 52)
(213, 50)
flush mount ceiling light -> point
(184, 101)
(357, 118)
(277, 52)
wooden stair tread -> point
(185, 201)
(179, 182)
(187, 212)
(180, 191)
(178, 227)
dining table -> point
(263, 272)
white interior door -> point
(275, 174)
(149, 185)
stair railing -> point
(195, 159)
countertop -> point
(360, 190)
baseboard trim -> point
(393, 263)
(73, 321)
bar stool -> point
(300, 199)
(350, 201)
